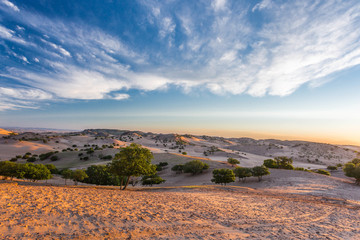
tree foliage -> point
(223, 176)
(132, 161)
(78, 175)
(233, 161)
(260, 171)
(195, 167)
(29, 171)
(66, 174)
(352, 169)
(279, 162)
(242, 173)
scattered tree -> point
(233, 161)
(78, 175)
(243, 173)
(66, 174)
(132, 161)
(260, 171)
(223, 176)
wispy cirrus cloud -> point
(216, 45)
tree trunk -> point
(127, 182)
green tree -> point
(132, 161)
(195, 167)
(242, 173)
(52, 168)
(66, 174)
(78, 175)
(260, 171)
(10, 169)
(100, 175)
(233, 161)
(36, 172)
(223, 176)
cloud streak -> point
(214, 45)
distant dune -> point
(4, 132)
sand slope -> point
(42, 212)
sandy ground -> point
(43, 212)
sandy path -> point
(42, 212)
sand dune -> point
(4, 132)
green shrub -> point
(270, 163)
(352, 169)
(233, 161)
(178, 168)
(31, 159)
(45, 155)
(54, 158)
(332, 168)
(299, 169)
(163, 164)
(195, 167)
(322, 171)
(152, 179)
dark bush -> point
(195, 167)
(54, 158)
(151, 180)
(223, 176)
(178, 168)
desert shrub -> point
(163, 164)
(18, 156)
(45, 155)
(151, 179)
(352, 169)
(184, 153)
(223, 176)
(178, 168)
(159, 168)
(13, 159)
(270, 163)
(322, 171)
(31, 159)
(54, 158)
(260, 171)
(242, 173)
(339, 165)
(26, 156)
(28, 153)
(195, 167)
(233, 161)
(107, 157)
(85, 158)
(279, 162)
(299, 169)
(332, 168)
(80, 154)
(78, 175)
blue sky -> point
(286, 69)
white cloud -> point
(218, 4)
(301, 43)
(24, 93)
(120, 96)
(10, 5)
(262, 5)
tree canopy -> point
(132, 161)
(223, 176)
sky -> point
(241, 68)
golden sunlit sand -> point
(44, 212)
